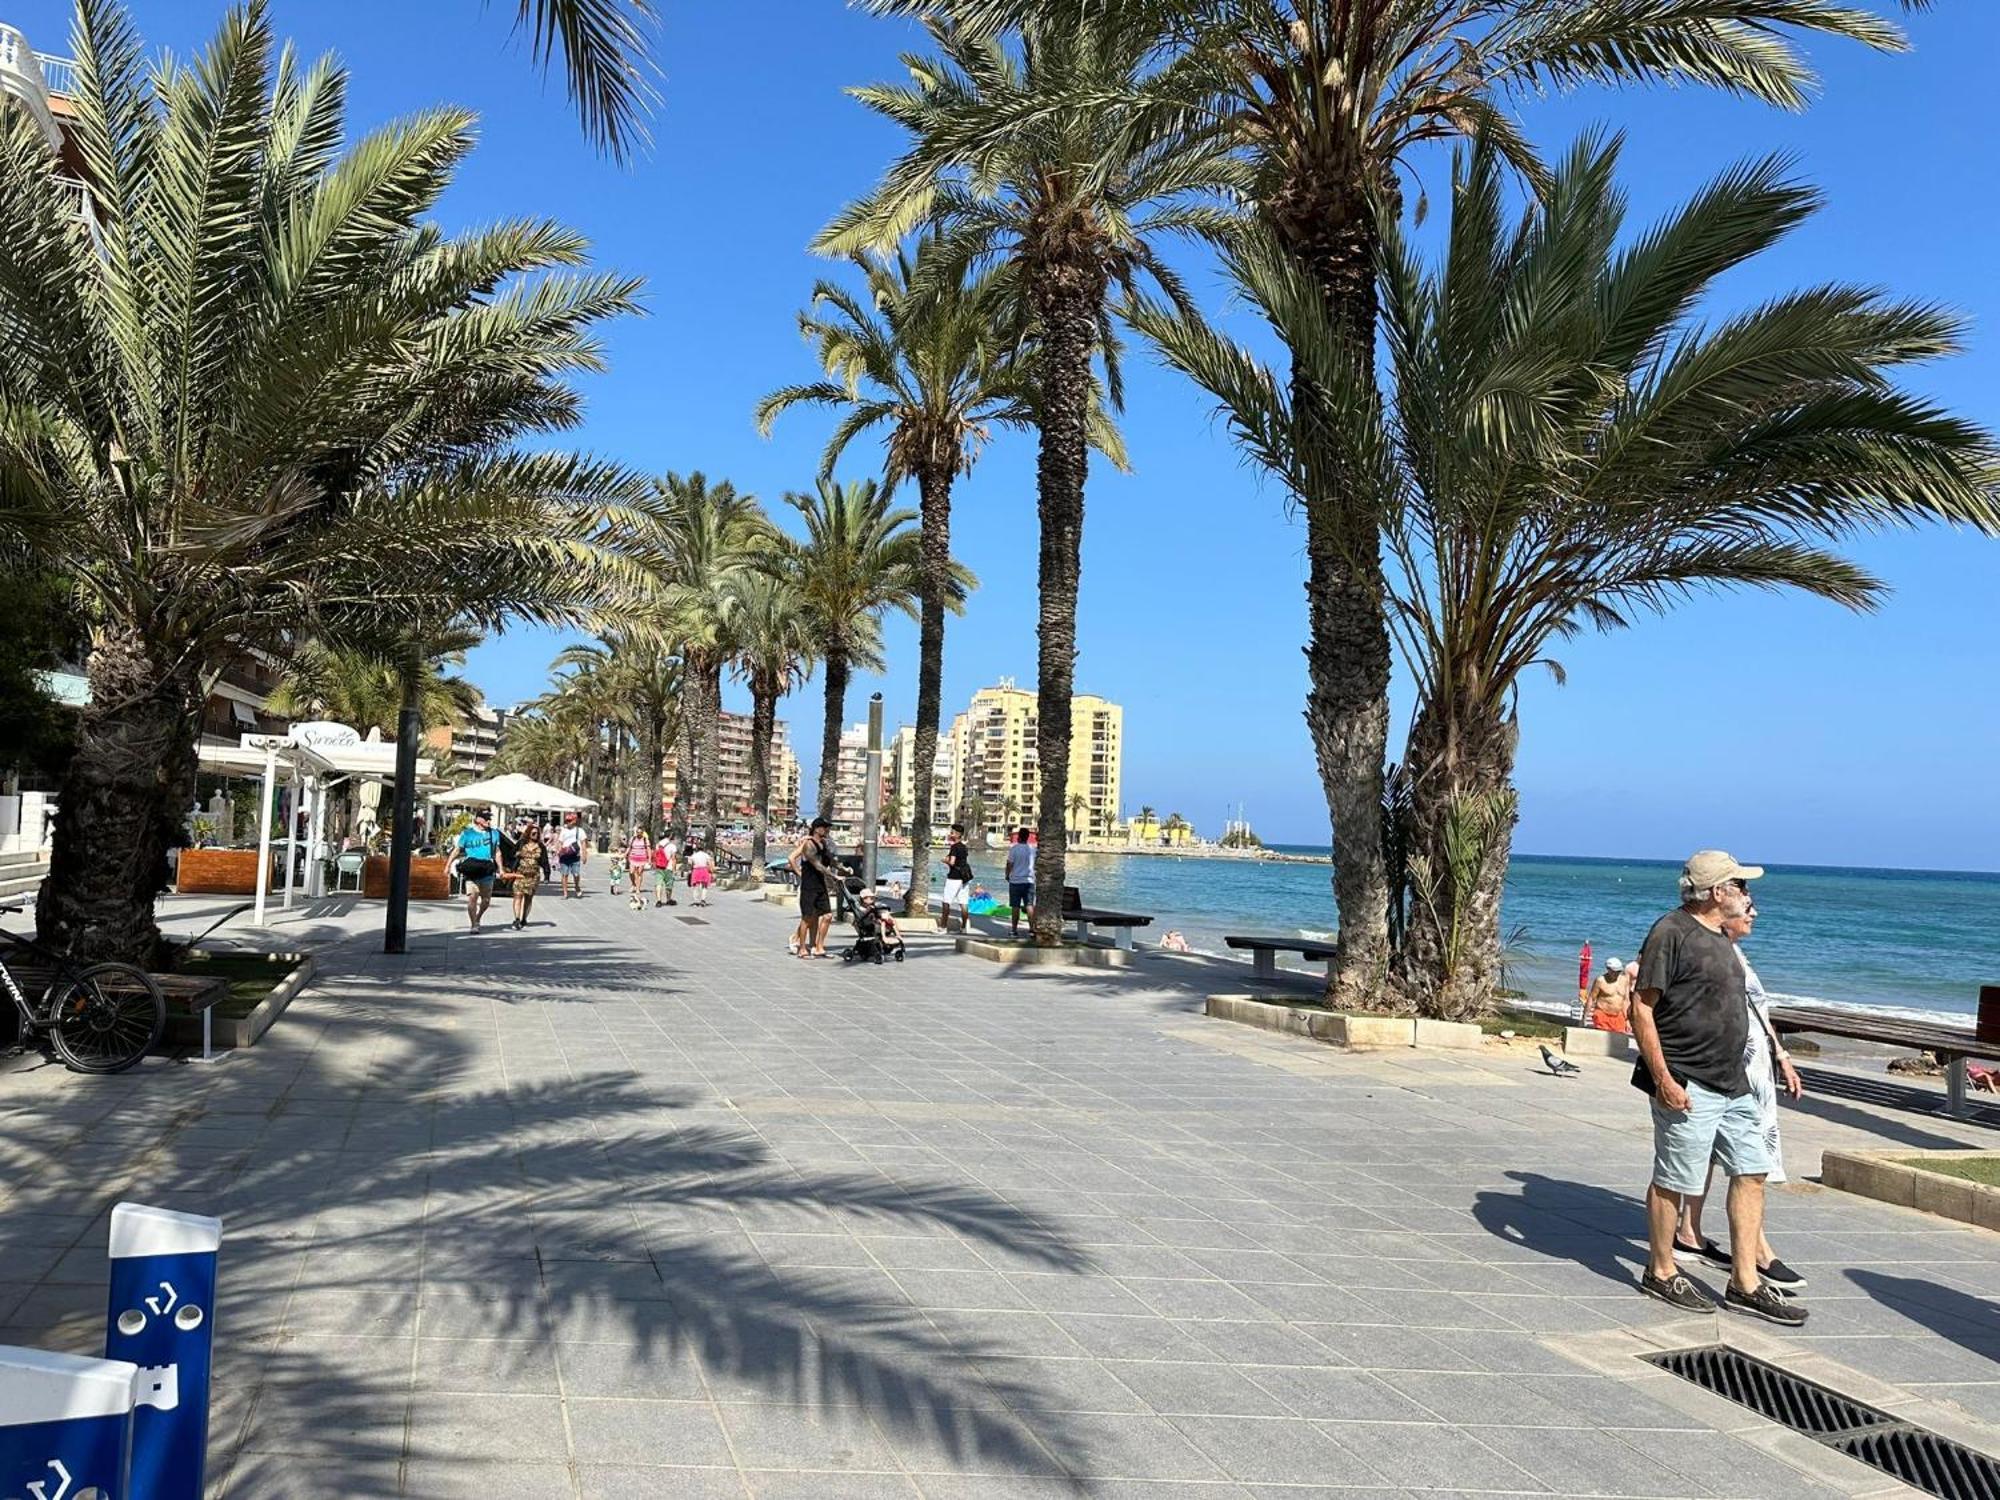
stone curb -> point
(1067, 957)
(1342, 1030)
(1883, 1175)
(1588, 1041)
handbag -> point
(480, 869)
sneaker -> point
(1707, 1251)
(1782, 1276)
(1766, 1302)
(1677, 1291)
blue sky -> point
(1780, 727)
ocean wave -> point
(1953, 1018)
(1316, 934)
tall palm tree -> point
(859, 558)
(930, 358)
(1564, 441)
(278, 395)
(1326, 98)
(1078, 803)
(551, 747)
(365, 685)
(772, 649)
(1067, 154)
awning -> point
(514, 790)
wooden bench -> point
(186, 994)
(1264, 952)
(1952, 1045)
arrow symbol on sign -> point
(39, 1488)
(172, 1298)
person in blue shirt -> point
(479, 855)
(1020, 879)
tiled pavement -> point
(635, 1205)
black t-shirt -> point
(1702, 1012)
(811, 878)
(958, 863)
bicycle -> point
(99, 1018)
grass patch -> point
(1980, 1169)
(251, 977)
(1531, 1023)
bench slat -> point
(1915, 1034)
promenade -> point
(636, 1205)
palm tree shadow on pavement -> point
(413, 1187)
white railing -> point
(58, 73)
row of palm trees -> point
(737, 594)
(1556, 439)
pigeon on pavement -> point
(1560, 1066)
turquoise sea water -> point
(1909, 940)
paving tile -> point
(623, 1482)
(794, 1437)
(607, 1431)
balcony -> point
(24, 78)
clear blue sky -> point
(1779, 727)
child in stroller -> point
(875, 935)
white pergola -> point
(315, 758)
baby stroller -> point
(875, 935)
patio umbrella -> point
(514, 790)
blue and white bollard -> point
(162, 1319)
(65, 1426)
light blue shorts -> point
(1715, 1128)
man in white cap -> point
(1692, 1023)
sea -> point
(1912, 942)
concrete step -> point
(13, 883)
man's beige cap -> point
(1709, 868)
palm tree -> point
(927, 357)
(1065, 156)
(550, 747)
(1326, 98)
(634, 685)
(365, 685)
(1563, 442)
(858, 559)
(892, 811)
(772, 651)
(701, 542)
(603, 45)
(279, 396)
(1078, 803)
(1175, 824)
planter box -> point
(1354, 1032)
(1588, 1041)
(243, 1031)
(1069, 956)
(221, 872)
(1883, 1175)
(430, 877)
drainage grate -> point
(1935, 1465)
(693, 921)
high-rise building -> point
(850, 781)
(733, 764)
(466, 746)
(996, 774)
(902, 773)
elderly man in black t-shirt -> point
(1692, 1020)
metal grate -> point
(1935, 1465)
(1769, 1391)
(693, 921)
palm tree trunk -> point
(829, 737)
(1347, 652)
(1067, 301)
(685, 758)
(128, 778)
(763, 728)
(711, 750)
(1461, 757)
(933, 583)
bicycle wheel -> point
(106, 1018)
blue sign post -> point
(162, 1319)
(65, 1426)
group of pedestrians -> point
(1712, 1065)
(519, 858)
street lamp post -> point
(871, 795)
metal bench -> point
(1264, 952)
(1121, 923)
(1951, 1045)
(185, 994)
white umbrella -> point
(514, 790)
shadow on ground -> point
(1972, 1323)
(1597, 1228)
(373, 1193)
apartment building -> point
(902, 772)
(466, 747)
(733, 762)
(851, 780)
(996, 775)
